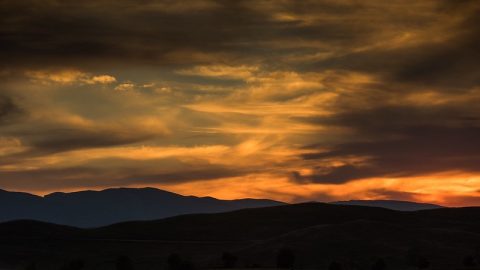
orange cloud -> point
(456, 189)
(68, 76)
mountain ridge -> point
(91, 208)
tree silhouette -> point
(229, 260)
(417, 260)
(175, 262)
(74, 265)
(469, 261)
(422, 263)
(124, 263)
(335, 266)
(31, 266)
(379, 265)
(285, 258)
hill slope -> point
(391, 204)
(317, 233)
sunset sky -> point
(289, 100)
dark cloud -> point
(210, 172)
(101, 175)
(121, 32)
(399, 142)
(337, 175)
(8, 109)
(70, 138)
(107, 32)
(53, 178)
(381, 121)
(447, 61)
(125, 32)
(49, 140)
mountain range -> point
(99, 208)
(88, 209)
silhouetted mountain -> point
(391, 204)
(100, 208)
(316, 233)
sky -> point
(289, 100)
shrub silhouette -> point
(379, 265)
(285, 258)
(175, 262)
(229, 260)
(74, 265)
(469, 261)
(31, 266)
(417, 260)
(335, 266)
(421, 263)
(124, 263)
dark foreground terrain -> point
(307, 236)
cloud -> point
(188, 175)
(10, 146)
(68, 76)
(161, 32)
(444, 58)
(385, 194)
(102, 79)
(221, 71)
(127, 86)
(67, 139)
(343, 99)
(8, 110)
(101, 173)
(339, 174)
(399, 142)
(49, 131)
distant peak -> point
(6, 192)
(113, 190)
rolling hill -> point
(317, 233)
(391, 204)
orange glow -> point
(456, 189)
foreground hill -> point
(391, 204)
(100, 208)
(316, 233)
